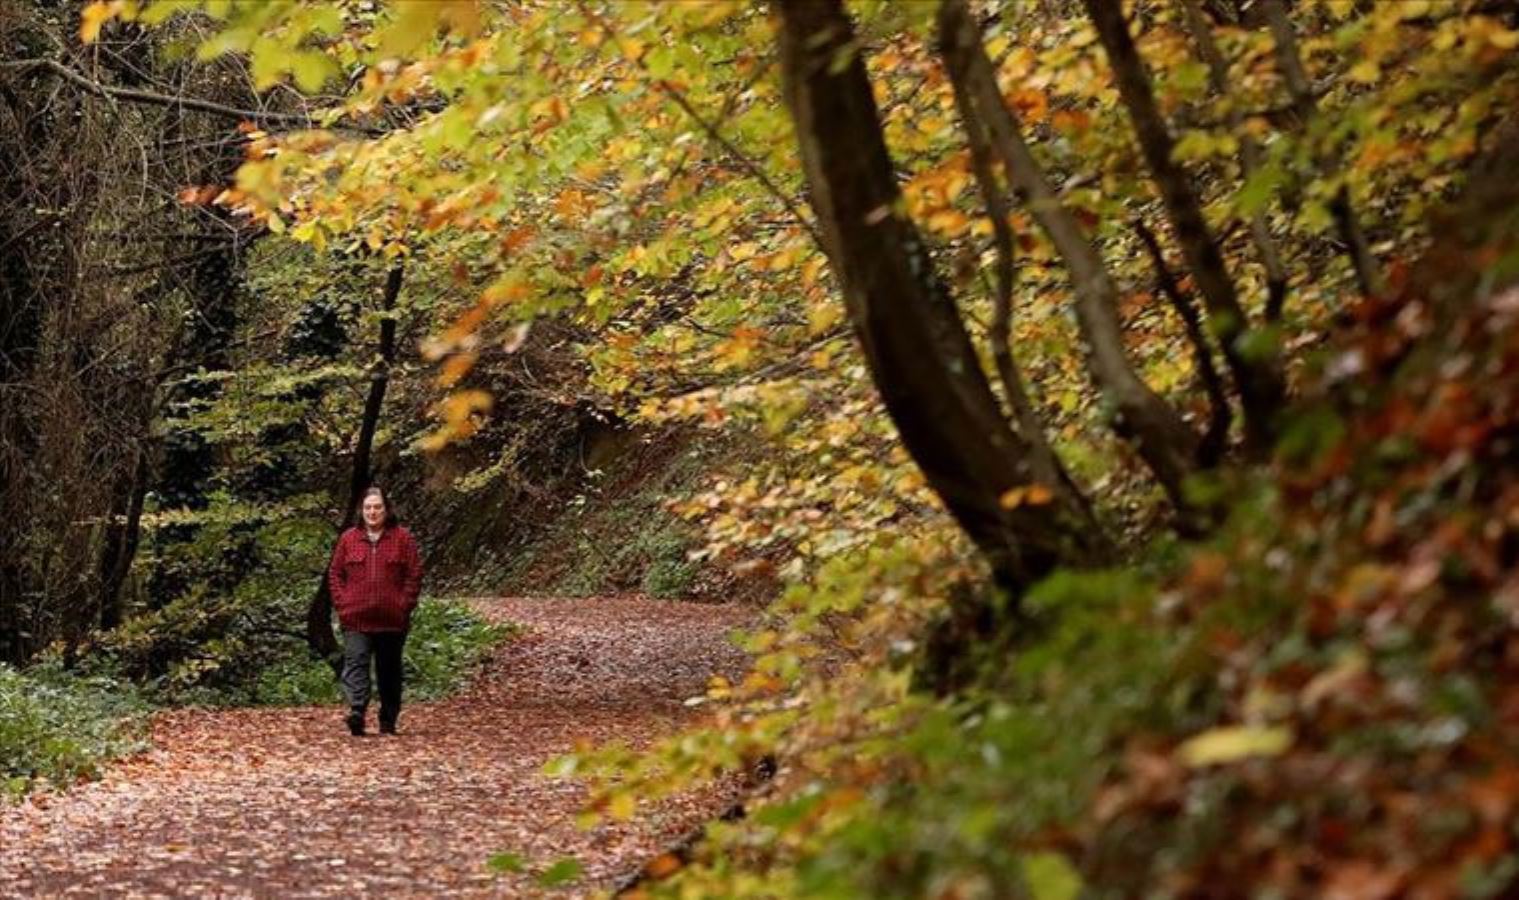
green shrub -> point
(669, 578)
(57, 727)
(448, 640)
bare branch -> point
(131, 95)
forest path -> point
(283, 802)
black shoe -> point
(387, 726)
(356, 723)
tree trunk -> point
(319, 635)
(1250, 156)
(1025, 419)
(914, 343)
(1216, 437)
(1300, 89)
(121, 541)
(1259, 380)
(1164, 440)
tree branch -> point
(748, 165)
(1250, 155)
(132, 95)
(1025, 418)
(1216, 437)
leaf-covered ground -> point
(283, 802)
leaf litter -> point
(282, 801)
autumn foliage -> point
(1116, 398)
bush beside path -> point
(282, 801)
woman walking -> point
(375, 579)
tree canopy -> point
(1111, 396)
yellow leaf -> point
(811, 268)
(632, 48)
(622, 806)
(1503, 38)
(94, 17)
(949, 222)
(743, 251)
(414, 25)
(1051, 876)
(1366, 71)
(1232, 743)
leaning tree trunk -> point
(914, 343)
(1024, 417)
(319, 636)
(1167, 444)
(1259, 379)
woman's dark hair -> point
(390, 510)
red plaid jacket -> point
(375, 585)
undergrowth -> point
(448, 640)
(617, 535)
(57, 727)
(1318, 701)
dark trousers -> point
(385, 648)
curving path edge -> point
(282, 802)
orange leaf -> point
(517, 238)
(1033, 105)
(663, 866)
(456, 367)
(94, 17)
(1071, 121)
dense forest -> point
(1095, 420)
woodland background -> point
(1112, 401)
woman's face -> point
(374, 511)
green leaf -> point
(163, 10)
(1190, 76)
(1258, 189)
(562, 872)
(1199, 144)
(505, 862)
(1259, 344)
(561, 766)
(661, 62)
(1051, 877)
(266, 63)
(311, 70)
